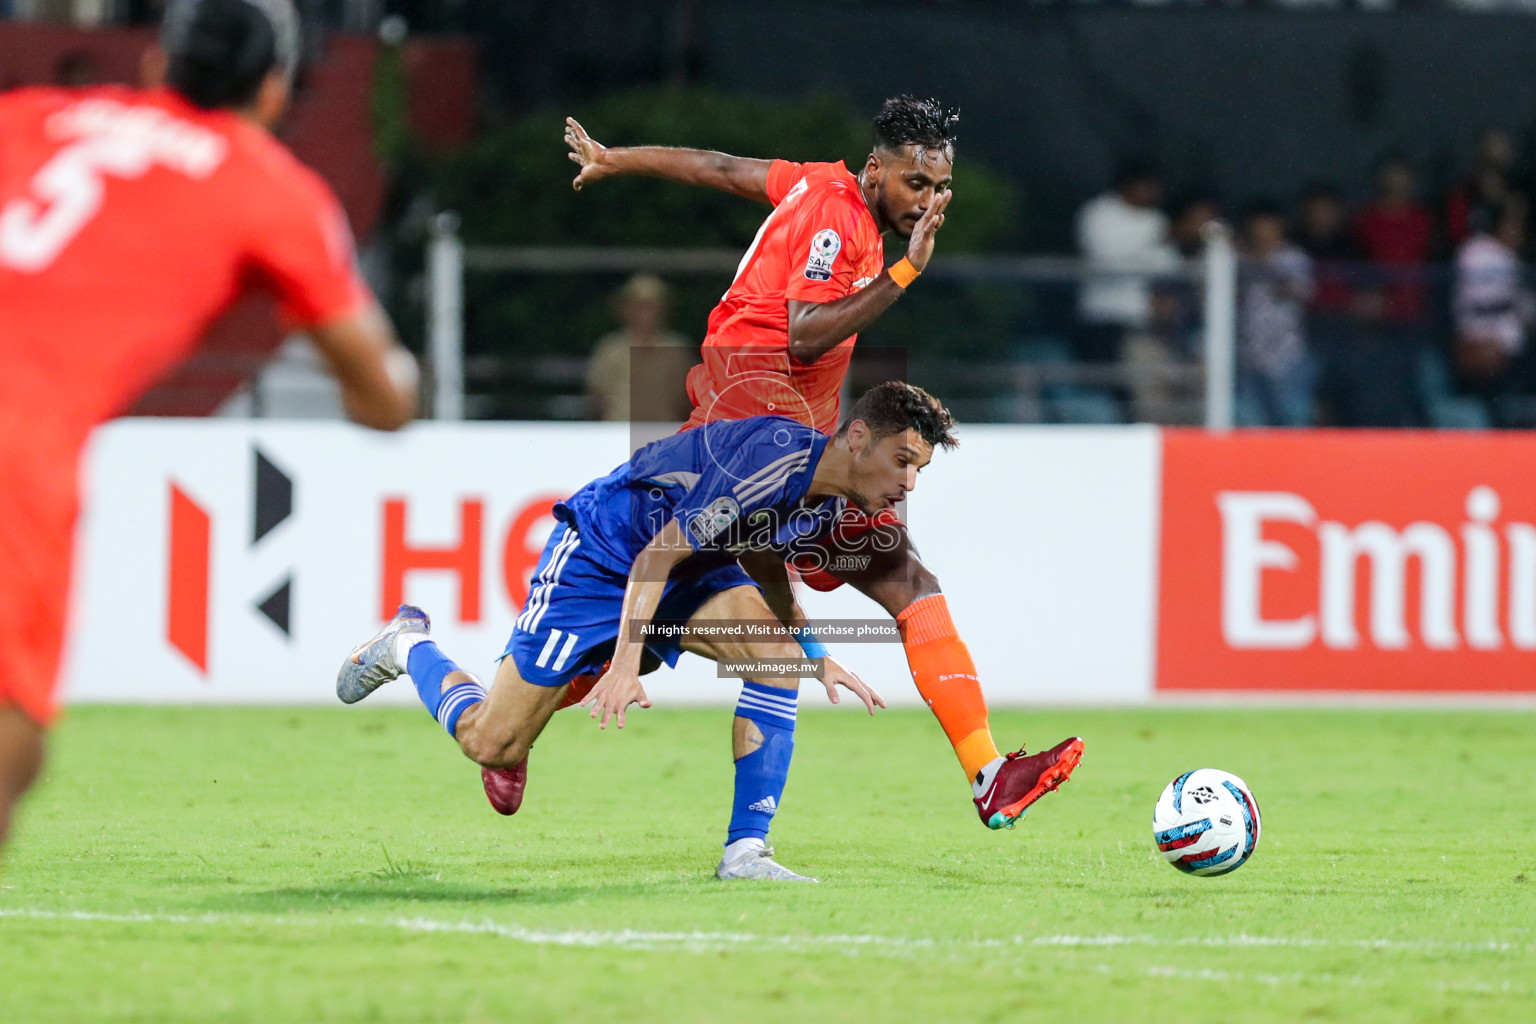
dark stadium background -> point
(1233, 101)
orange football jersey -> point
(819, 244)
(128, 221)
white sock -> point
(403, 644)
(983, 780)
(741, 847)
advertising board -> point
(225, 561)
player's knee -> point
(493, 749)
(493, 752)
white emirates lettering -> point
(1479, 593)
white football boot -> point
(373, 664)
(753, 858)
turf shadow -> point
(376, 890)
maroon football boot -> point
(504, 786)
(1024, 778)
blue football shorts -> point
(570, 622)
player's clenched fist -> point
(585, 151)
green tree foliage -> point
(513, 187)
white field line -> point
(1293, 942)
(702, 941)
(1263, 977)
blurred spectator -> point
(1276, 373)
(1394, 232)
(1492, 310)
(1485, 187)
(1372, 377)
(1322, 234)
(1161, 390)
(638, 372)
(1190, 216)
(1122, 232)
(1180, 304)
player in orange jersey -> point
(129, 220)
(780, 342)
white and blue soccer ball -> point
(1206, 822)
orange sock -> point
(946, 677)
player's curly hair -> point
(895, 407)
(906, 119)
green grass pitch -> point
(342, 864)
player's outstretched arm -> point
(378, 376)
(620, 686)
(744, 176)
(815, 328)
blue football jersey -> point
(733, 484)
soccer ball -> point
(1206, 822)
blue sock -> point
(760, 776)
(428, 667)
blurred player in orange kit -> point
(129, 220)
(780, 342)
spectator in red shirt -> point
(1393, 233)
(1371, 366)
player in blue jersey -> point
(780, 341)
(694, 529)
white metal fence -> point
(1214, 277)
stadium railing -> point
(997, 333)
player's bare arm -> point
(378, 376)
(815, 328)
(743, 176)
(620, 686)
(768, 570)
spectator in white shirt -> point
(1492, 308)
(1276, 372)
(1124, 234)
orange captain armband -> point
(903, 272)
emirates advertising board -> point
(237, 562)
(224, 561)
(1348, 561)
